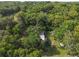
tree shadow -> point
(52, 51)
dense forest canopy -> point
(22, 22)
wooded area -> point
(22, 22)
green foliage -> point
(22, 22)
(19, 52)
(36, 53)
(31, 41)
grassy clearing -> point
(58, 51)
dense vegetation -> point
(22, 22)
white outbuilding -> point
(42, 35)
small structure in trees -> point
(42, 35)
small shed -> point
(42, 35)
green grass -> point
(59, 50)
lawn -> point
(58, 50)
